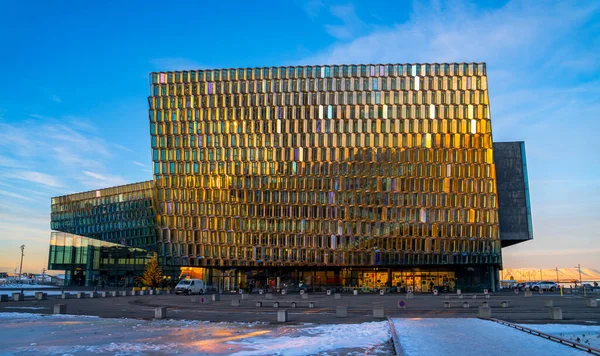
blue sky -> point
(73, 109)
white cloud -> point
(352, 24)
(139, 164)
(56, 99)
(96, 180)
(37, 177)
(312, 7)
(14, 195)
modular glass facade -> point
(93, 262)
(123, 214)
(352, 175)
(357, 165)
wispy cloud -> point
(14, 195)
(37, 177)
(351, 26)
(312, 7)
(121, 147)
(56, 99)
(97, 180)
(139, 164)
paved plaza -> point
(359, 307)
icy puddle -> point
(468, 337)
(22, 333)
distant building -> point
(370, 176)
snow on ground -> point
(588, 335)
(24, 333)
(468, 337)
(26, 286)
(320, 339)
(31, 292)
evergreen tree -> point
(153, 274)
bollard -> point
(112, 293)
(487, 296)
(65, 295)
(409, 296)
(40, 296)
(474, 296)
(381, 292)
(592, 303)
(160, 312)
(466, 305)
(60, 309)
(460, 296)
(276, 305)
(294, 305)
(528, 294)
(94, 295)
(556, 313)
(235, 302)
(484, 304)
(484, 312)
(504, 304)
(305, 296)
(337, 296)
(216, 297)
(103, 294)
(80, 295)
(283, 292)
(282, 316)
(3, 298)
(355, 292)
(378, 312)
(329, 292)
(341, 311)
(548, 303)
(123, 293)
(158, 292)
(198, 300)
(18, 297)
(311, 305)
(446, 304)
(259, 304)
(151, 292)
(269, 295)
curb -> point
(395, 338)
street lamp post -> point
(21, 266)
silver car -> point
(545, 285)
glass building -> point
(353, 176)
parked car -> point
(525, 285)
(545, 285)
(190, 286)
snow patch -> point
(319, 339)
(472, 337)
(588, 335)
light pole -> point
(21, 266)
(556, 275)
(541, 278)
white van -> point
(190, 286)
